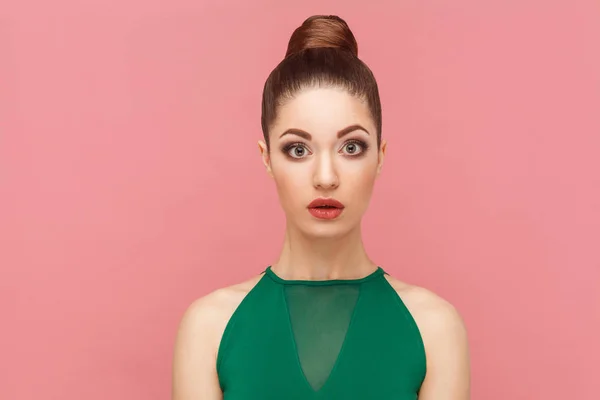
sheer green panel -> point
(319, 318)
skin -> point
(313, 153)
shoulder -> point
(207, 316)
(431, 312)
(198, 338)
(439, 322)
(445, 340)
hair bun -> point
(321, 31)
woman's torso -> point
(336, 339)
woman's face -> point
(323, 145)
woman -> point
(323, 321)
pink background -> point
(131, 182)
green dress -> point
(331, 339)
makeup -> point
(326, 209)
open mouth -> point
(326, 209)
(323, 203)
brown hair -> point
(321, 52)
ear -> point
(381, 156)
(266, 158)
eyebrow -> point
(340, 134)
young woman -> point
(323, 321)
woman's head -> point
(321, 121)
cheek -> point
(291, 185)
(363, 183)
(360, 184)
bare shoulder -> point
(431, 312)
(209, 314)
(198, 338)
(445, 339)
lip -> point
(323, 202)
(326, 209)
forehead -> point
(323, 111)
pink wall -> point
(131, 182)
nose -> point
(325, 174)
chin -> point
(326, 229)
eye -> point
(296, 150)
(354, 147)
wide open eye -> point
(296, 150)
(354, 147)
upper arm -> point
(446, 347)
(194, 360)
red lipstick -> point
(325, 208)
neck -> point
(310, 258)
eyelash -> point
(288, 147)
